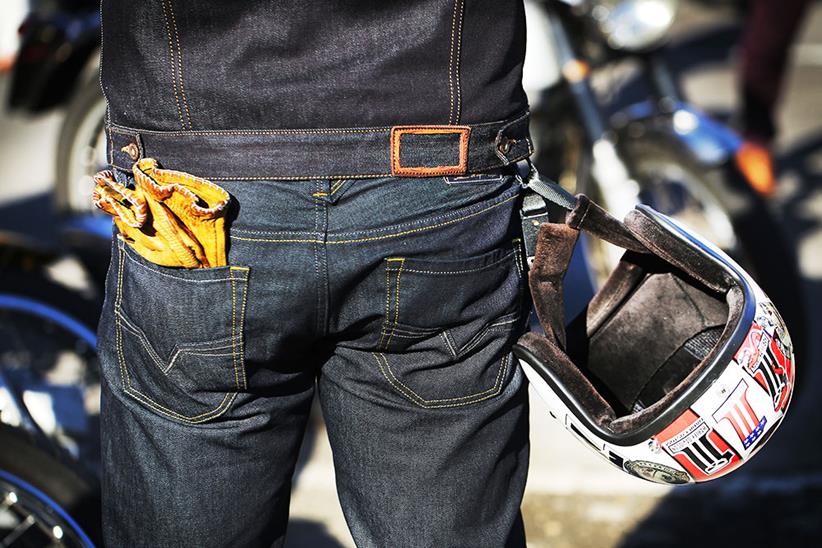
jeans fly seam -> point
(171, 63)
(385, 369)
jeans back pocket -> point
(179, 335)
(449, 325)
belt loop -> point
(513, 141)
(125, 148)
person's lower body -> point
(397, 298)
(770, 30)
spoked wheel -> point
(81, 149)
(49, 435)
(30, 518)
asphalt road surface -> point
(573, 499)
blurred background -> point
(709, 111)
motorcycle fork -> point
(615, 187)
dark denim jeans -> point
(397, 298)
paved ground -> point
(572, 499)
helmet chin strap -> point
(552, 219)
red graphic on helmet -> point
(697, 447)
(763, 358)
(737, 410)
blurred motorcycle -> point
(58, 64)
(609, 119)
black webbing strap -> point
(545, 201)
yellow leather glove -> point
(171, 218)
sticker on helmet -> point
(697, 447)
(774, 373)
(765, 359)
(658, 473)
(737, 410)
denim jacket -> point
(181, 77)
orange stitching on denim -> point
(458, 110)
(422, 402)
(171, 59)
(241, 340)
(179, 62)
(322, 131)
(234, 333)
(126, 380)
(228, 399)
(451, 65)
(466, 271)
(384, 236)
(383, 332)
(396, 298)
(397, 132)
(302, 178)
(336, 186)
(178, 351)
(136, 394)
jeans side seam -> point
(385, 369)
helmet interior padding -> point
(660, 320)
(648, 336)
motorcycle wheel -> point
(48, 351)
(43, 501)
(81, 149)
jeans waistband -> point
(402, 151)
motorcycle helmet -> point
(679, 369)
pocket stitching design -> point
(228, 398)
(402, 388)
(496, 325)
(239, 375)
(386, 322)
(199, 350)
